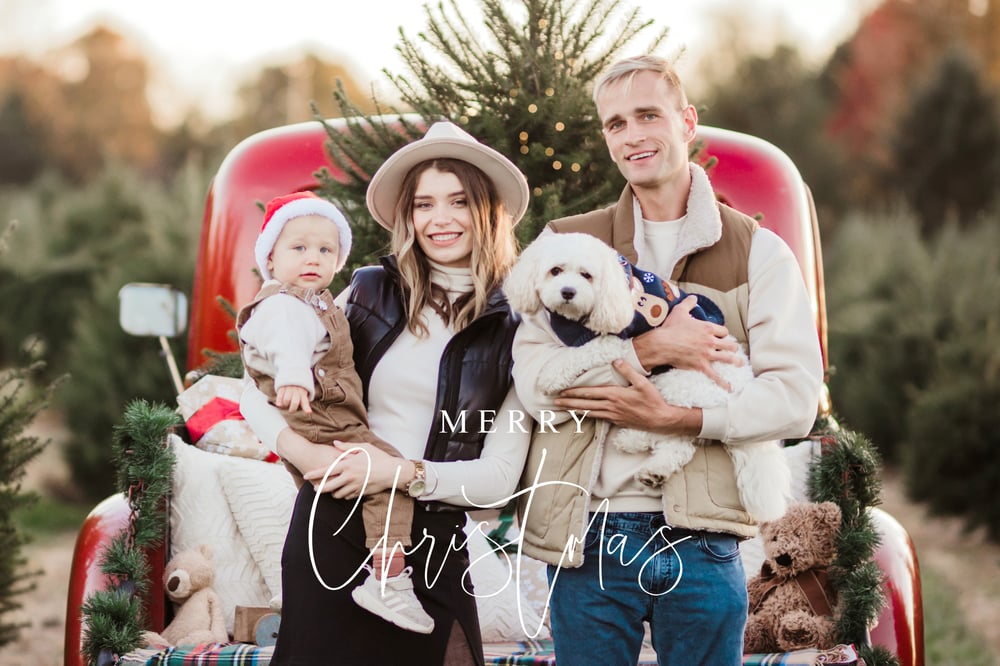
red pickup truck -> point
(750, 174)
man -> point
(667, 556)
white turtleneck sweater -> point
(401, 397)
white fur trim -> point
(703, 226)
(299, 208)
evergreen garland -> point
(115, 618)
(847, 473)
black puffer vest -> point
(475, 370)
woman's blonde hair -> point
(494, 248)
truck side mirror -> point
(154, 310)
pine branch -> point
(113, 623)
(124, 562)
(223, 364)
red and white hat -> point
(285, 207)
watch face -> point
(416, 488)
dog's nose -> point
(568, 293)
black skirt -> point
(321, 626)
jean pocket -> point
(720, 547)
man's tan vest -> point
(562, 467)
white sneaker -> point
(398, 605)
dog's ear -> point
(613, 309)
(521, 285)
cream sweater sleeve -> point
(279, 339)
(264, 418)
(488, 481)
(781, 400)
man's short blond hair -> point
(626, 69)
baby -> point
(296, 346)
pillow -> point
(506, 613)
(260, 497)
(199, 514)
(211, 410)
(800, 457)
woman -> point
(432, 334)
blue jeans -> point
(688, 585)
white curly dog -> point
(592, 296)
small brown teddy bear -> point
(792, 605)
(187, 581)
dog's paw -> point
(568, 364)
(664, 463)
(670, 454)
(649, 478)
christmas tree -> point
(519, 80)
(19, 404)
(947, 148)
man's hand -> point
(685, 342)
(638, 405)
(293, 398)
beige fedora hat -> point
(446, 140)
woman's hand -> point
(359, 468)
(638, 405)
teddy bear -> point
(187, 580)
(792, 605)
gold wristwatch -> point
(418, 484)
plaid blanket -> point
(541, 653)
(209, 654)
(840, 655)
(517, 653)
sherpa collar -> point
(702, 226)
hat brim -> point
(386, 184)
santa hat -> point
(283, 208)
